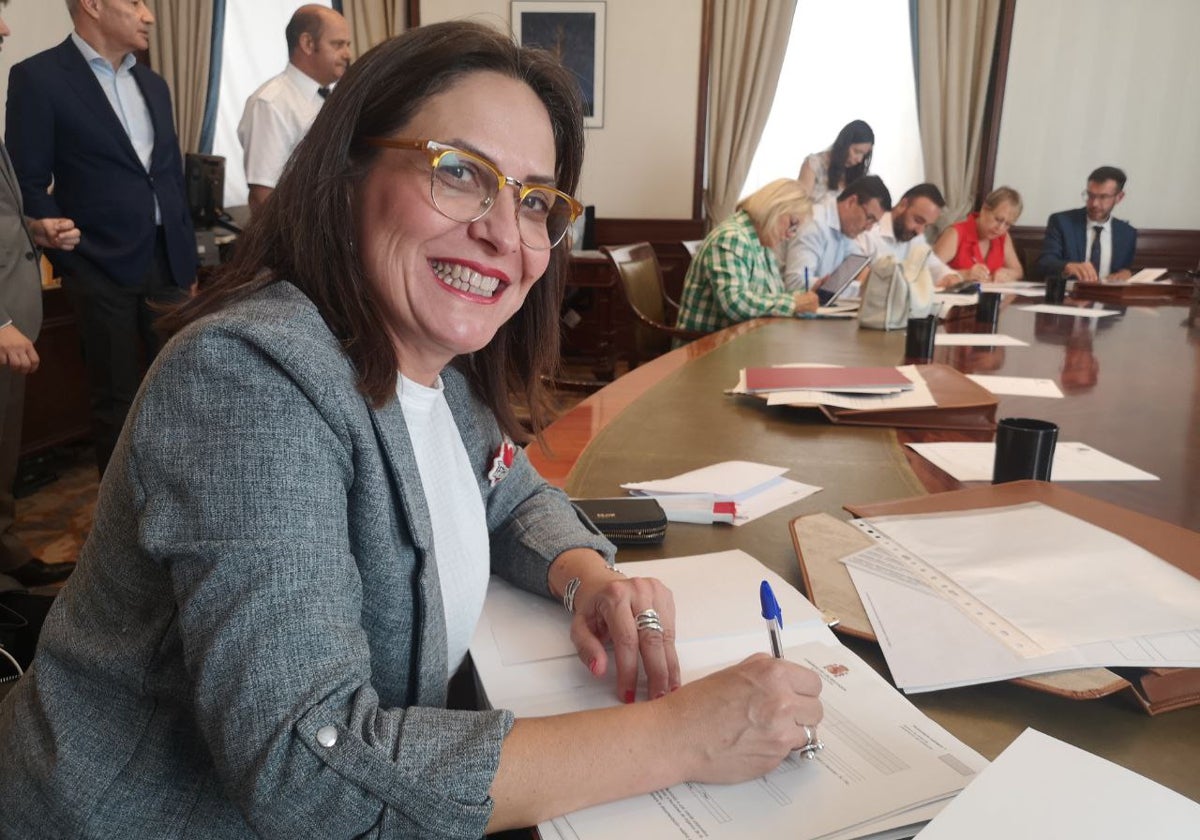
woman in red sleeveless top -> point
(979, 247)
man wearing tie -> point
(1088, 243)
(87, 118)
(279, 113)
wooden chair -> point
(641, 280)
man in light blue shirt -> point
(830, 235)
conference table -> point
(1131, 385)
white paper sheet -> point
(1077, 311)
(1062, 581)
(945, 339)
(705, 586)
(1146, 275)
(949, 300)
(930, 644)
(729, 480)
(1019, 386)
(1040, 788)
(1073, 461)
(1017, 287)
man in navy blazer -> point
(1088, 243)
(85, 117)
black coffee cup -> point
(987, 311)
(1024, 449)
(1056, 288)
(918, 342)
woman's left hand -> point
(608, 608)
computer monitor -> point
(205, 178)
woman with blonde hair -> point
(979, 247)
(735, 275)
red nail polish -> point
(629, 696)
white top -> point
(880, 240)
(818, 162)
(1105, 244)
(459, 525)
(276, 116)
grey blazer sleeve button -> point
(327, 736)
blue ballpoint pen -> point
(773, 615)
(806, 279)
(774, 618)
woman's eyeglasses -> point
(464, 187)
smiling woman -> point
(294, 537)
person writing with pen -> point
(735, 275)
(979, 247)
(294, 536)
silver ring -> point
(648, 620)
(809, 736)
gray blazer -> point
(20, 269)
(260, 578)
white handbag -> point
(895, 292)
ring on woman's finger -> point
(648, 620)
(812, 744)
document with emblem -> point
(885, 769)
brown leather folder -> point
(961, 404)
(822, 540)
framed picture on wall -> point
(574, 31)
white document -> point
(1073, 461)
(883, 762)
(729, 480)
(1146, 275)
(1060, 580)
(716, 596)
(755, 490)
(919, 397)
(884, 766)
(930, 644)
(1017, 287)
(1077, 311)
(1040, 788)
(945, 339)
(1019, 386)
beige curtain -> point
(955, 43)
(749, 41)
(372, 21)
(180, 47)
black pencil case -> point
(625, 520)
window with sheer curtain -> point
(254, 50)
(844, 62)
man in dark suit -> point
(20, 319)
(1088, 243)
(89, 119)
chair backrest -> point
(641, 280)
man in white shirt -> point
(903, 229)
(829, 235)
(279, 113)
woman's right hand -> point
(978, 273)
(741, 722)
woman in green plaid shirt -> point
(735, 275)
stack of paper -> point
(915, 395)
(885, 765)
(734, 492)
(978, 596)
